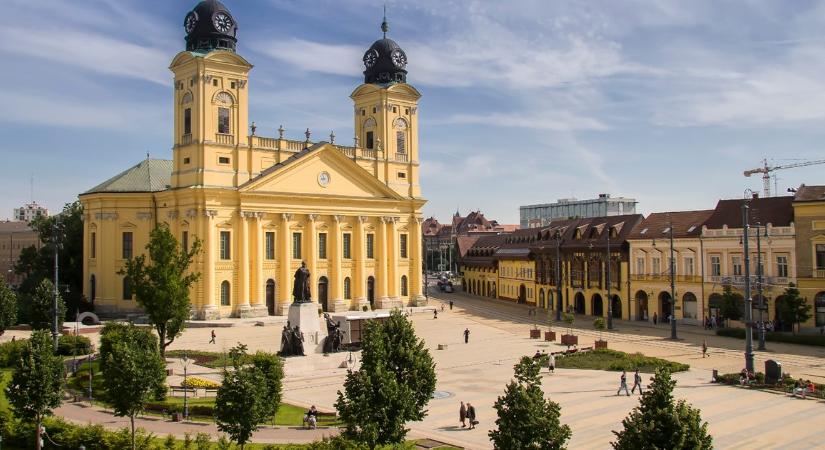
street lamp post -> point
(185, 388)
(609, 299)
(56, 292)
(558, 276)
(672, 286)
(748, 299)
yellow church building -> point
(263, 205)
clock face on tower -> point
(222, 22)
(323, 178)
(399, 59)
(190, 21)
(370, 58)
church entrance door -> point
(322, 293)
(371, 291)
(270, 297)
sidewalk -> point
(82, 413)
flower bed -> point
(195, 382)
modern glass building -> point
(532, 216)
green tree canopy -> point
(8, 307)
(134, 371)
(393, 386)
(162, 282)
(525, 418)
(36, 385)
(732, 304)
(41, 307)
(658, 423)
(793, 309)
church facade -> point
(263, 205)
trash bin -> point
(773, 372)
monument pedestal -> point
(305, 316)
(419, 300)
(210, 312)
(389, 303)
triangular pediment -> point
(302, 175)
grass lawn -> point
(605, 359)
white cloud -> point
(313, 56)
(557, 121)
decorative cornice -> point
(252, 214)
(144, 216)
(211, 213)
(363, 219)
(172, 214)
(191, 212)
(106, 216)
(286, 216)
(313, 217)
(338, 217)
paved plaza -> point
(477, 372)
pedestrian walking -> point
(471, 415)
(462, 415)
(623, 384)
(212, 341)
(435, 314)
(637, 382)
(551, 363)
(655, 318)
(704, 348)
(451, 305)
(442, 307)
(466, 335)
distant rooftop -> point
(149, 175)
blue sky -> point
(523, 102)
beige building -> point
(809, 217)
(14, 237)
(263, 205)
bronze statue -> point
(300, 287)
(297, 341)
(332, 343)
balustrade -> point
(226, 139)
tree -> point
(36, 264)
(241, 404)
(525, 418)
(793, 309)
(41, 307)
(271, 371)
(161, 284)
(36, 385)
(394, 384)
(8, 307)
(731, 305)
(658, 423)
(134, 372)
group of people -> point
(466, 413)
(551, 359)
(803, 388)
(637, 383)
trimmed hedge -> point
(10, 352)
(614, 360)
(786, 384)
(775, 336)
(66, 345)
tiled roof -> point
(149, 175)
(777, 211)
(810, 194)
(464, 243)
(15, 226)
(685, 224)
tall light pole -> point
(672, 286)
(759, 285)
(56, 293)
(185, 388)
(748, 299)
(558, 276)
(609, 299)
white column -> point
(243, 265)
(258, 299)
(285, 259)
(311, 255)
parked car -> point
(448, 288)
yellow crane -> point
(766, 171)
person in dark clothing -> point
(623, 385)
(466, 335)
(471, 415)
(435, 314)
(212, 341)
(462, 415)
(637, 382)
(655, 318)
(451, 305)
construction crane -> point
(766, 171)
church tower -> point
(386, 116)
(211, 102)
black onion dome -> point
(385, 61)
(210, 26)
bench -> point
(181, 389)
(207, 391)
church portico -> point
(262, 206)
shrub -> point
(66, 345)
(195, 382)
(10, 352)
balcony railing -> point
(369, 153)
(226, 139)
(819, 273)
(349, 151)
(186, 139)
(401, 157)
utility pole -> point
(55, 243)
(759, 285)
(748, 299)
(609, 299)
(672, 286)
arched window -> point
(403, 285)
(127, 289)
(225, 292)
(819, 309)
(347, 290)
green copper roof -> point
(149, 175)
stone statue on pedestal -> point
(300, 287)
(335, 336)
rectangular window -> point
(186, 160)
(184, 241)
(127, 245)
(223, 120)
(370, 140)
(782, 266)
(400, 142)
(689, 266)
(322, 246)
(223, 160)
(187, 121)
(715, 266)
(820, 256)
(347, 247)
(93, 246)
(370, 246)
(269, 240)
(640, 265)
(127, 289)
(225, 245)
(403, 245)
(736, 263)
(296, 245)
(655, 266)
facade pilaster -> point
(393, 257)
(415, 286)
(335, 279)
(381, 261)
(359, 280)
(209, 310)
(311, 256)
(285, 258)
(243, 307)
